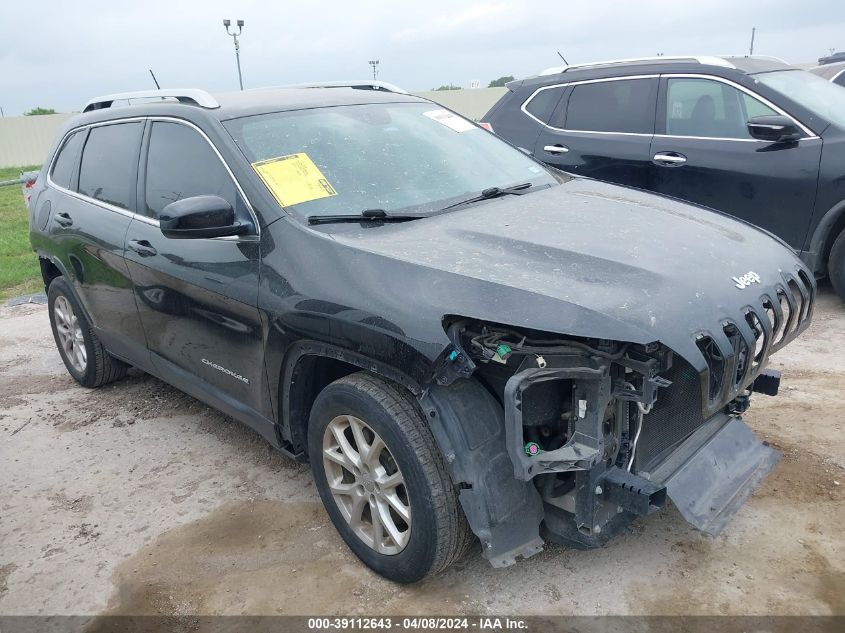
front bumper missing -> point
(708, 475)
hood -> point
(584, 258)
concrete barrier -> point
(473, 104)
(25, 140)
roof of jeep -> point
(265, 100)
(230, 105)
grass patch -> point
(19, 271)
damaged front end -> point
(569, 439)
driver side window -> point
(707, 108)
(181, 164)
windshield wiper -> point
(493, 192)
(367, 215)
(380, 215)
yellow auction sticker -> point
(294, 179)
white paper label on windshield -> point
(452, 121)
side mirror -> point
(774, 128)
(199, 216)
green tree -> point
(37, 111)
(448, 87)
(500, 82)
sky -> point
(60, 54)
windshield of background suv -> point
(389, 156)
(814, 93)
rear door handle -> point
(669, 159)
(64, 219)
(142, 247)
(556, 149)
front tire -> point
(836, 265)
(82, 353)
(382, 479)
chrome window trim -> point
(712, 138)
(578, 83)
(836, 76)
(810, 134)
(138, 216)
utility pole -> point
(240, 24)
(751, 48)
(374, 64)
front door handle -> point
(669, 159)
(64, 219)
(142, 247)
(556, 149)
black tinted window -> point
(63, 173)
(181, 164)
(543, 103)
(613, 106)
(706, 108)
(109, 163)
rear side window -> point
(543, 102)
(109, 164)
(626, 105)
(64, 168)
(181, 164)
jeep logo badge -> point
(746, 280)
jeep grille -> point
(737, 353)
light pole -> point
(240, 24)
(374, 64)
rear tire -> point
(82, 353)
(368, 411)
(836, 265)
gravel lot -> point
(136, 498)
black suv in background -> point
(459, 339)
(749, 136)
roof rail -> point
(698, 59)
(192, 96)
(363, 84)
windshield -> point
(390, 156)
(818, 95)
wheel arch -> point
(53, 268)
(308, 368)
(50, 269)
(824, 235)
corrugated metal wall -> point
(25, 140)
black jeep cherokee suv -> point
(749, 136)
(458, 339)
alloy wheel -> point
(366, 484)
(70, 334)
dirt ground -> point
(137, 499)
